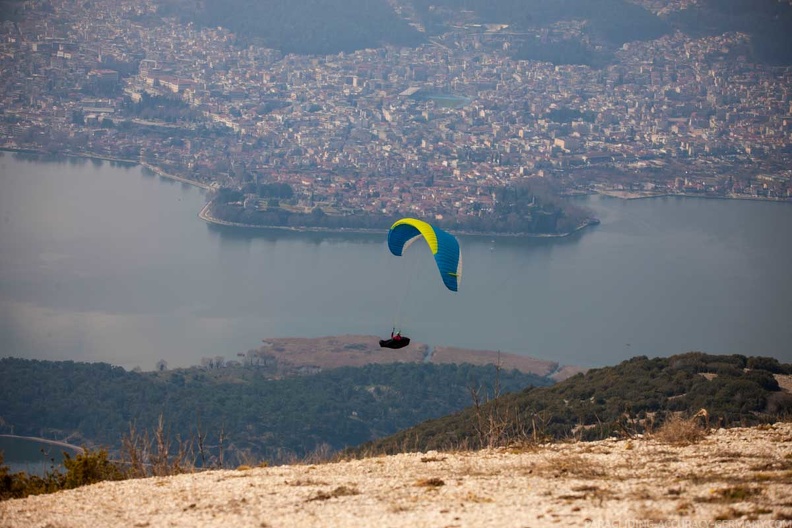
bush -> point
(767, 363)
(89, 467)
(764, 379)
(780, 405)
(727, 370)
(20, 485)
(680, 431)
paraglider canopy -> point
(444, 247)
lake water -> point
(33, 456)
(105, 262)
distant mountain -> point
(768, 23)
(611, 21)
(303, 26)
(633, 397)
(332, 26)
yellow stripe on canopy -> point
(425, 229)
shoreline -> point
(208, 218)
(630, 195)
(161, 173)
(204, 215)
(65, 445)
(92, 156)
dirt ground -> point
(734, 477)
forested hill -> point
(303, 26)
(766, 21)
(332, 26)
(633, 397)
(382, 408)
(95, 404)
(324, 27)
(612, 21)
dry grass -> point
(146, 454)
(306, 482)
(340, 491)
(739, 475)
(732, 494)
(681, 431)
(571, 466)
(433, 482)
(478, 499)
(596, 494)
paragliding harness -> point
(396, 340)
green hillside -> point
(631, 398)
(274, 420)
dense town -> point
(427, 131)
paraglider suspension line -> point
(397, 320)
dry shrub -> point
(433, 482)
(571, 465)
(681, 431)
(731, 494)
(246, 458)
(340, 491)
(322, 453)
(145, 453)
(306, 482)
(472, 497)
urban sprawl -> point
(427, 131)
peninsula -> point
(452, 118)
(288, 356)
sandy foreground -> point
(734, 477)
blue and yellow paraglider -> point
(444, 247)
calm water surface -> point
(104, 262)
(32, 456)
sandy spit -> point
(734, 477)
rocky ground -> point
(732, 477)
